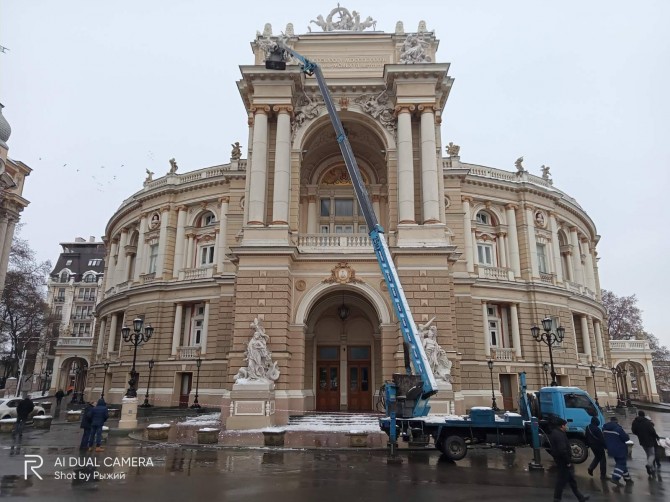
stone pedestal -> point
(43, 421)
(128, 413)
(442, 403)
(7, 424)
(252, 405)
(74, 416)
(208, 435)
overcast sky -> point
(98, 91)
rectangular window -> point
(324, 229)
(328, 353)
(95, 262)
(542, 258)
(325, 207)
(153, 258)
(206, 255)
(485, 254)
(493, 333)
(363, 229)
(60, 297)
(344, 207)
(344, 229)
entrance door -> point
(185, 389)
(328, 379)
(359, 395)
(506, 391)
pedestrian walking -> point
(86, 425)
(23, 411)
(615, 442)
(644, 429)
(99, 415)
(596, 441)
(560, 450)
(59, 397)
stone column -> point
(516, 336)
(189, 251)
(6, 250)
(112, 333)
(101, 336)
(514, 257)
(178, 264)
(502, 252)
(141, 249)
(586, 339)
(597, 332)
(532, 243)
(3, 231)
(205, 328)
(376, 207)
(176, 329)
(429, 181)
(487, 339)
(558, 268)
(223, 233)
(282, 178)
(576, 257)
(162, 242)
(128, 266)
(589, 276)
(119, 273)
(259, 167)
(312, 217)
(405, 165)
(467, 234)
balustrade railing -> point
(191, 352)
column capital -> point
(426, 108)
(572, 228)
(529, 207)
(182, 207)
(261, 109)
(282, 109)
(376, 198)
(224, 200)
(190, 235)
(467, 198)
(502, 234)
(165, 208)
(125, 230)
(512, 207)
(403, 109)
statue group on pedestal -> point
(260, 366)
(436, 355)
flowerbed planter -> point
(7, 424)
(208, 435)
(43, 421)
(74, 416)
(114, 412)
(358, 439)
(46, 405)
(105, 433)
(273, 438)
(158, 432)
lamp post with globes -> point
(595, 389)
(136, 338)
(545, 367)
(493, 395)
(146, 397)
(549, 338)
(104, 380)
(195, 404)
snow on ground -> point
(200, 420)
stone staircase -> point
(327, 421)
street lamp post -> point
(595, 389)
(624, 373)
(493, 395)
(77, 373)
(104, 380)
(45, 381)
(545, 367)
(146, 397)
(549, 339)
(195, 404)
(136, 338)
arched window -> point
(339, 212)
(90, 277)
(487, 251)
(64, 276)
(206, 219)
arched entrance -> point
(633, 381)
(343, 351)
(72, 376)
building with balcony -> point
(633, 371)
(483, 253)
(72, 294)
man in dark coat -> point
(560, 450)
(99, 415)
(23, 411)
(86, 425)
(59, 397)
(596, 441)
(644, 429)
(615, 442)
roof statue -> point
(267, 31)
(519, 166)
(290, 32)
(399, 28)
(453, 150)
(414, 50)
(546, 174)
(236, 153)
(260, 366)
(150, 176)
(173, 166)
(340, 19)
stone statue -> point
(290, 32)
(453, 150)
(267, 30)
(260, 366)
(414, 50)
(378, 106)
(422, 27)
(519, 166)
(236, 154)
(436, 355)
(546, 174)
(173, 166)
(150, 176)
(341, 19)
(399, 28)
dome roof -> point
(5, 129)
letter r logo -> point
(35, 462)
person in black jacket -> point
(86, 425)
(615, 442)
(596, 441)
(644, 429)
(99, 415)
(560, 450)
(59, 397)
(23, 411)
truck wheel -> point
(578, 450)
(454, 447)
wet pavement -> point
(168, 471)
